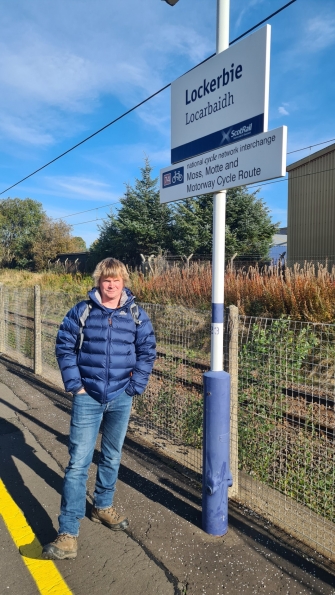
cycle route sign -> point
(253, 160)
(219, 124)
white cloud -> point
(320, 32)
(283, 111)
(46, 74)
(81, 188)
(179, 40)
(63, 58)
(156, 117)
(18, 130)
(316, 34)
(250, 6)
(116, 157)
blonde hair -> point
(110, 267)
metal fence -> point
(282, 401)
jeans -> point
(86, 418)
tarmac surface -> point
(164, 552)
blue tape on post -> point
(217, 313)
(221, 138)
(216, 467)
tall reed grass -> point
(189, 287)
(302, 293)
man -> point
(112, 365)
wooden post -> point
(2, 319)
(233, 371)
(17, 310)
(37, 331)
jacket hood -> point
(127, 297)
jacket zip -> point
(109, 337)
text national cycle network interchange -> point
(229, 152)
(225, 170)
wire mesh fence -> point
(169, 414)
(54, 306)
(282, 395)
(287, 425)
(17, 328)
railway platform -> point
(164, 552)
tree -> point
(249, 229)
(249, 224)
(193, 224)
(141, 226)
(20, 221)
(28, 238)
(78, 244)
(144, 226)
(53, 238)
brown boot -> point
(64, 547)
(110, 518)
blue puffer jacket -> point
(116, 353)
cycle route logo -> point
(173, 177)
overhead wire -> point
(311, 146)
(271, 182)
(139, 104)
(312, 173)
(90, 221)
(88, 210)
(252, 185)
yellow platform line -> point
(44, 572)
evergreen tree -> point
(193, 224)
(141, 226)
(249, 229)
(249, 223)
(144, 226)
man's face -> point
(111, 289)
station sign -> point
(252, 160)
(223, 100)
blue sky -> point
(69, 68)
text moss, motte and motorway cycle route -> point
(259, 158)
(223, 178)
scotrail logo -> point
(173, 177)
(243, 131)
(229, 135)
(225, 137)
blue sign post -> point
(216, 438)
(216, 445)
(216, 109)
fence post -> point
(2, 319)
(17, 310)
(37, 331)
(233, 371)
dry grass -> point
(70, 283)
(188, 287)
(302, 293)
